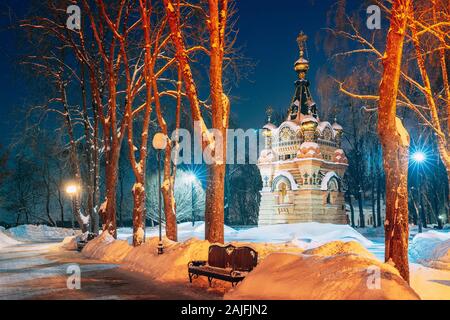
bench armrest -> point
(197, 263)
(235, 273)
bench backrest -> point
(219, 256)
(237, 258)
(244, 259)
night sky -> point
(267, 29)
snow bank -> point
(186, 231)
(69, 243)
(40, 233)
(6, 241)
(338, 247)
(311, 234)
(335, 271)
(431, 249)
(304, 235)
(106, 248)
(172, 265)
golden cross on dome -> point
(269, 112)
(301, 40)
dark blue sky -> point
(268, 29)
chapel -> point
(302, 164)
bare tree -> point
(393, 136)
(214, 15)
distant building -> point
(302, 164)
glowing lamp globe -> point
(191, 177)
(160, 141)
(419, 157)
(71, 189)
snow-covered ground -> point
(335, 271)
(40, 233)
(431, 249)
(304, 235)
(5, 240)
(323, 249)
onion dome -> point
(301, 66)
(340, 157)
(309, 150)
(309, 123)
(337, 127)
(267, 156)
(269, 126)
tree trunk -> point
(379, 202)
(121, 196)
(395, 143)
(447, 205)
(169, 197)
(139, 212)
(374, 214)
(109, 220)
(362, 221)
(88, 149)
(61, 207)
(214, 212)
(47, 205)
(423, 216)
(74, 161)
(352, 209)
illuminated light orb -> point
(419, 157)
(71, 189)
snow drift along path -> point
(431, 249)
(39, 233)
(171, 266)
(335, 271)
(6, 241)
(304, 235)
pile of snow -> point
(69, 243)
(431, 249)
(106, 248)
(185, 231)
(40, 233)
(172, 265)
(292, 238)
(335, 272)
(338, 247)
(6, 241)
(304, 235)
(308, 235)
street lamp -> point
(159, 143)
(191, 178)
(419, 157)
(72, 190)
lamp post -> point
(419, 158)
(72, 189)
(191, 178)
(159, 144)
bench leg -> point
(190, 277)
(210, 281)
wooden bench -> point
(226, 263)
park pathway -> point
(39, 271)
